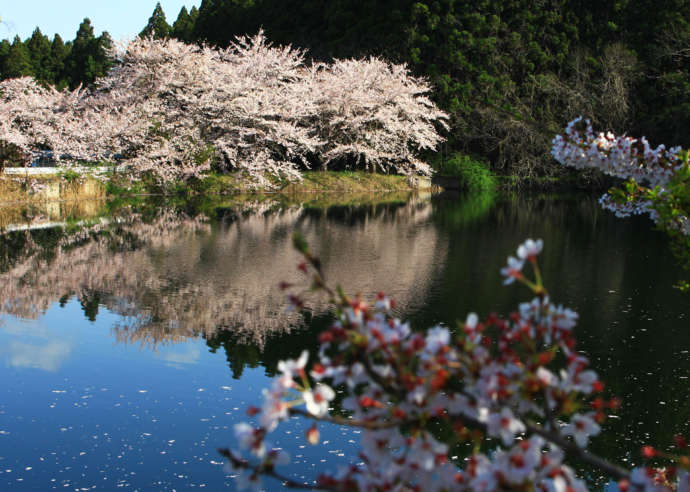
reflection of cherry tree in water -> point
(172, 276)
(96, 261)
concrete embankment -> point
(36, 185)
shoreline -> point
(36, 189)
(17, 189)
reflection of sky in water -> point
(79, 411)
(46, 356)
(30, 345)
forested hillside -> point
(510, 73)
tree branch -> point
(268, 471)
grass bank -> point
(40, 188)
(45, 199)
(312, 182)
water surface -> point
(134, 336)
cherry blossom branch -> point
(615, 471)
(486, 381)
(364, 424)
(263, 470)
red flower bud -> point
(325, 337)
(439, 380)
(545, 358)
(597, 404)
(313, 435)
(615, 403)
(367, 402)
(648, 451)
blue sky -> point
(121, 18)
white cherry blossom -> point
(317, 401)
(581, 427)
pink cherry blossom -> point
(172, 110)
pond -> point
(133, 336)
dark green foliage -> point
(38, 47)
(183, 27)
(81, 64)
(157, 27)
(338, 28)
(18, 61)
(88, 57)
(662, 38)
(57, 63)
(5, 46)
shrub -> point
(474, 174)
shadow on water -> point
(210, 270)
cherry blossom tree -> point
(173, 110)
(374, 112)
(657, 178)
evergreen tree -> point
(157, 26)
(4, 54)
(59, 52)
(38, 47)
(183, 27)
(18, 62)
(87, 58)
(104, 45)
(194, 15)
(80, 63)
